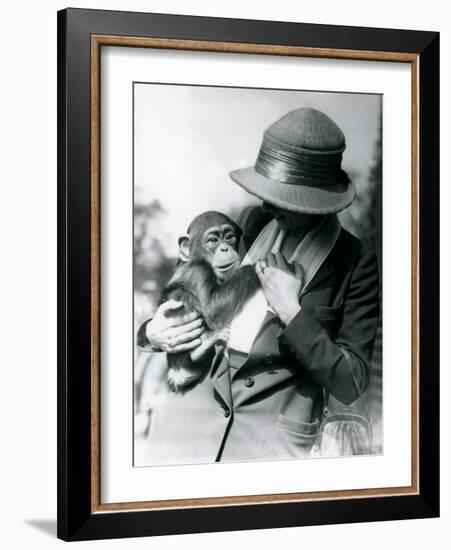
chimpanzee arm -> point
(193, 284)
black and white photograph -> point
(225, 266)
(257, 274)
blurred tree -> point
(373, 227)
(364, 219)
(373, 230)
(152, 266)
(367, 225)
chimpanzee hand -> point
(173, 331)
(209, 339)
(281, 283)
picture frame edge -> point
(76, 520)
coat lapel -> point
(324, 273)
(220, 375)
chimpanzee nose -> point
(224, 247)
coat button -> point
(226, 412)
(249, 382)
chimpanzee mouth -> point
(226, 267)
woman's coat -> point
(270, 406)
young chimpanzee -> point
(210, 281)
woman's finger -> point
(298, 271)
(181, 320)
(279, 260)
(188, 336)
(282, 263)
(186, 327)
(170, 305)
(188, 346)
(259, 269)
(271, 259)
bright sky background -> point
(188, 138)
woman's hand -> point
(281, 283)
(173, 331)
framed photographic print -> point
(248, 274)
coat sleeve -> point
(341, 364)
(142, 342)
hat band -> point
(300, 167)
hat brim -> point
(296, 198)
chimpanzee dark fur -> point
(197, 286)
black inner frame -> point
(75, 520)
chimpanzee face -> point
(213, 237)
(220, 246)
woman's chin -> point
(282, 224)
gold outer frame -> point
(97, 41)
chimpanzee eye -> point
(212, 239)
(230, 238)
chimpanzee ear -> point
(184, 249)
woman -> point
(301, 336)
